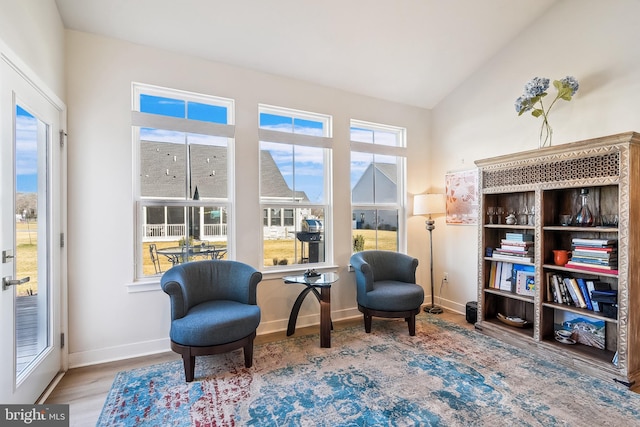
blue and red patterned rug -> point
(444, 376)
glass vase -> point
(546, 132)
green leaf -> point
(536, 112)
(565, 93)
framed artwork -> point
(461, 190)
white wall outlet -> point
(445, 277)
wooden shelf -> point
(510, 227)
(589, 313)
(570, 228)
(508, 294)
(578, 271)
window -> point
(295, 186)
(377, 186)
(183, 144)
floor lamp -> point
(430, 204)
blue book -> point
(514, 273)
(585, 293)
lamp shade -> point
(428, 204)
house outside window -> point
(378, 158)
(183, 145)
(295, 185)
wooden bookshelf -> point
(539, 186)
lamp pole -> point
(431, 225)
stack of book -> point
(515, 247)
(598, 255)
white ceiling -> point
(410, 51)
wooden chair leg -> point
(189, 366)
(412, 325)
(367, 323)
(248, 354)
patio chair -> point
(153, 252)
(213, 309)
(386, 286)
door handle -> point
(8, 281)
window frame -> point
(188, 126)
(400, 152)
(325, 142)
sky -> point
(26, 151)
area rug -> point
(446, 375)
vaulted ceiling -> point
(410, 51)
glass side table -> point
(312, 284)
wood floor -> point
(85, 389)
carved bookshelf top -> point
(577, 163)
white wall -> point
(106, 321)
(596, 42)
(33, 30)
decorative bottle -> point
(584, 218)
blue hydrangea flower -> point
(571, 82)
(523, 104)
(536, 87)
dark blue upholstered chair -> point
(213, 309)
(386, 286)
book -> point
(596, 250)
(512, 248)
(492, 274)
(501, 252)
(496, 280)
(558, 292)
(565, 298)
(516, 243)
(505, 277)
(511, 257)
(593, 242)
(585, 293)
(590, 288)
(585, 330)
(522, 237)
(592, 267)
(572, 292)
(551, 292)
(515, 269)
(594, 261)
(605, 258)
(525, 283)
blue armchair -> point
(213, 309)
(386, 286)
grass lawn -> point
(26, 252)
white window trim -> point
(140, 120)
(325, 142)
(387, 150)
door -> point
(31, 220)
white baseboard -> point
(145, 348)
(112, 354)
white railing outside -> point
(169, 232)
